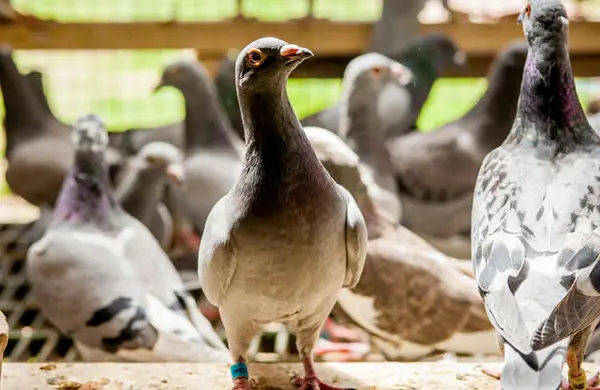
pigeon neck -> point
(86, 194)
(205, 123)
(278, 153)
(141, 192)
(23, 113)
(549, 109)
(497, 108)
(362, 128)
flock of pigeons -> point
(335, 209)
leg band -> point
(239, 370)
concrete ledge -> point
(173, 376)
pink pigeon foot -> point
(310, 381)
(243, 384)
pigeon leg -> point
(576, 376)
(306, 340)
(239, 335)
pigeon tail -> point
(541, 370)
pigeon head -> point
(446, 52)
(268, 61)
(375, 71)
(163, 157)
(180, 74)
(89, 134)
(545, 19)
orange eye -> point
(528, 10)
(255, 57)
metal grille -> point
(33, 338)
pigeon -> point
(102, 279)
(412, 299)
(427, 57)
(535, 235)
(436, 171)
(213, 151)
(143, 186)
(284, 241)
(38, 149)
(365, 81)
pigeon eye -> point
(376, 71)
(255, 57)
(152, 159)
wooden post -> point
(3, 340)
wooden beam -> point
(324, 37)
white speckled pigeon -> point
(283, 242)
(365, 81)
(536, 219)
(101, 278)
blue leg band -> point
(239, 370)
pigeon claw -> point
(313, 383)
(580, 383)
(243, 384)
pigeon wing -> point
(217, 257)
(356, 240)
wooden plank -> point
(362, 376)
(324, 37)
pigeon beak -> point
(295, 53)
(176, 173)
(402, 74)
(158, 86)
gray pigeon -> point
(101, 278)
(536, 235)
(213, 151)
(143, 187)
(284, 241)
(365, 81)
(436, 171)
(412, 299)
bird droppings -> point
(48, 367)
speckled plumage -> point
(536, 215)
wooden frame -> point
(334, 43)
